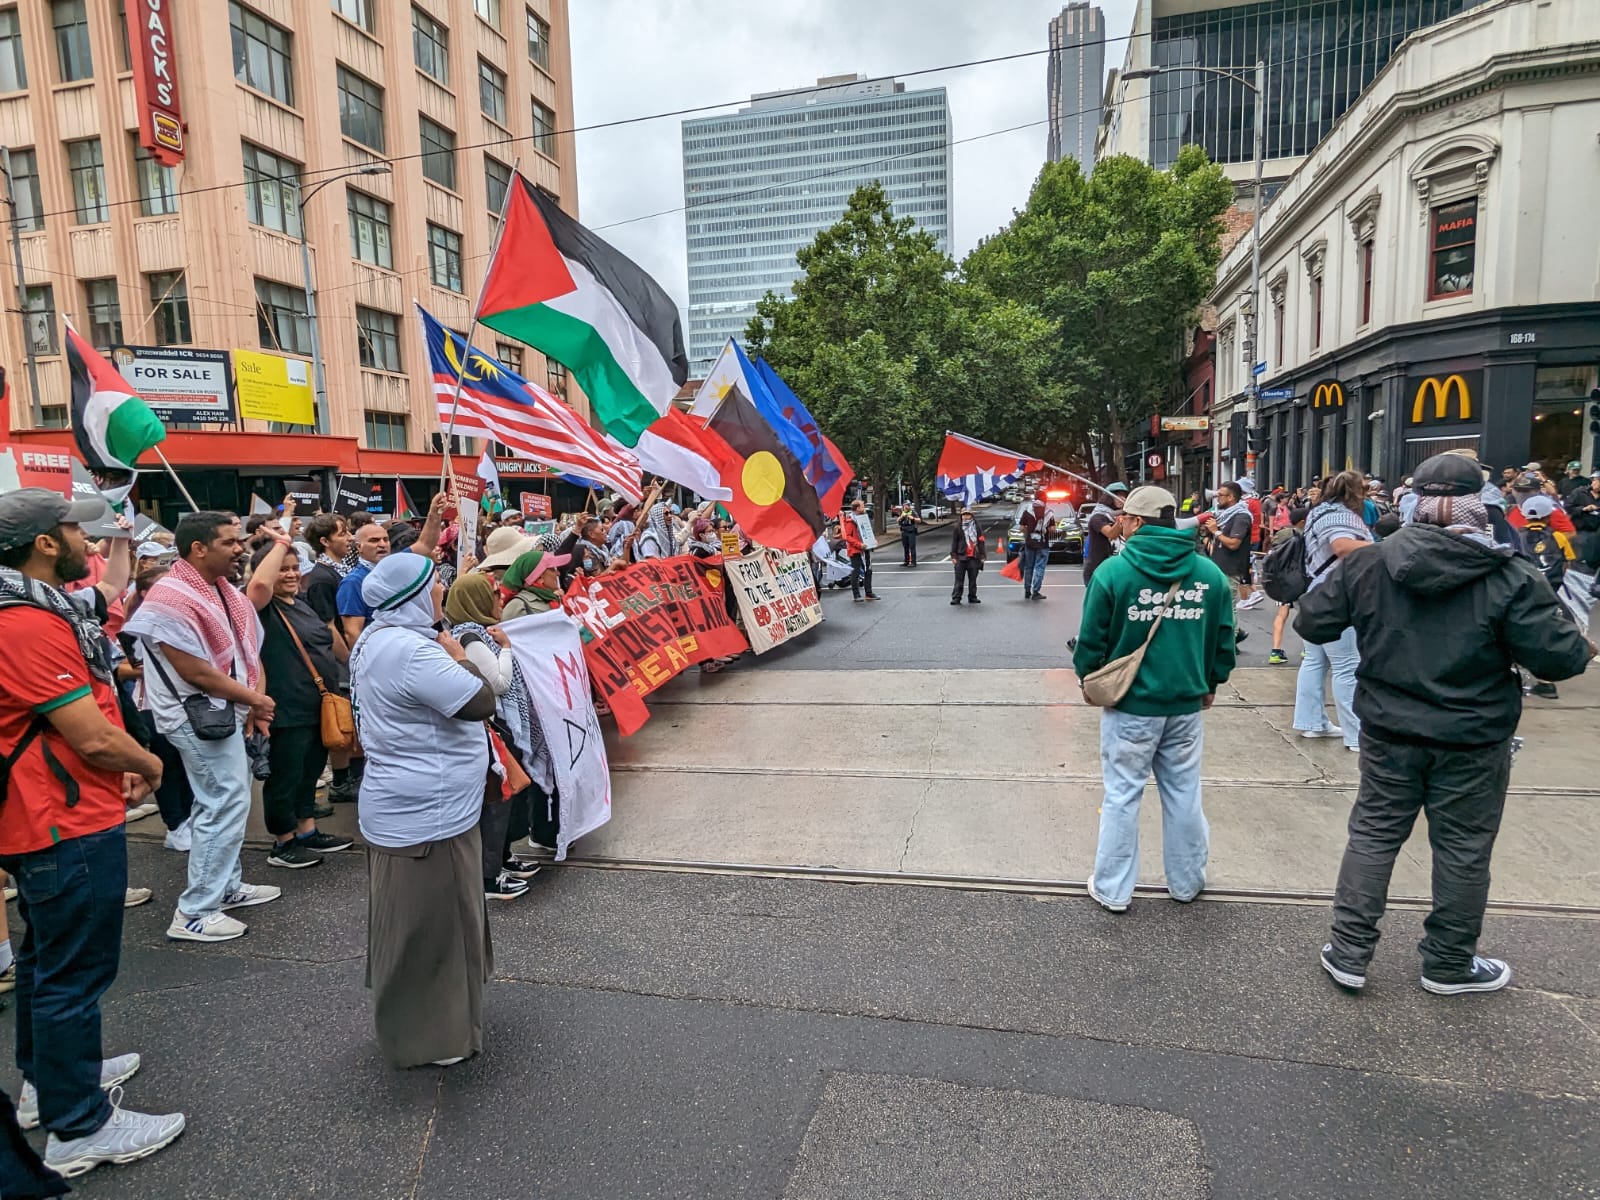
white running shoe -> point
(218, 927)
(179, 839)
(124, 1138)
(139, 812)
(251, 893)
(1251, 601)
(135, 896)
(112, 1072)
(1330, 731)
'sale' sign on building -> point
(155, 79)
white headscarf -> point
(400, 591)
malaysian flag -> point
(970, 470)
(498, 403)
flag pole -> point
(477, 311)
(193, 507)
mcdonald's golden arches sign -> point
(1328, 394)
(1445, 398)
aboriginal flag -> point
(772, 501)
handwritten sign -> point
(777, 597)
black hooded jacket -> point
(1439, 621)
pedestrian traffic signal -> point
(1256, 440)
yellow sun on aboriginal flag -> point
(772, 501)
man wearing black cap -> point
(69, 766)
(1441, 615)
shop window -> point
(1453, 250)
(271, 190)
(430, 47)
(43, 326)
(281, 318)
(385, 431)
(370, 240)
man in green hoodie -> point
(1157, 724)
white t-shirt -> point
(425, 769)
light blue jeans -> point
(219, 772)
(1035, 581)
(1341, 658)
(1130, 748)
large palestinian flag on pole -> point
(110, 423)
(565, 292)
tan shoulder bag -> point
(1106, 687)
(338, 722)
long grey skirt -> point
(428, 951)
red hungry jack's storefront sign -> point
(155, 79)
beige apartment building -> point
(382, 131)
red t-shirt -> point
(41, 668)
(1559, 521)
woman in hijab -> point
(473, 609)
(420, 708)
(532, 583)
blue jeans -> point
(1035, 580)
(219, 772)
(1341, 658)
(1130, 748)
(70, 898)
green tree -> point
(1118, 263)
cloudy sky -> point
(630, 59)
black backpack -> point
(1541, 546)
(1284, 574)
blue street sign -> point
(1259, 369)
(1278, 393)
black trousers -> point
(861, 572)
(1464, 794)
(908, 543)
(289, 794)
(966, 569)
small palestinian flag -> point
(111, 424)
(563, 291)
(404, 510)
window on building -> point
(25, 189)
(358, 12)
(378, 338)
(360, 109)
(1453, 252)
(261, 53)
(492, 92)
(544, 130)
(1366, 283)
(538, 39)
(281, 320)
(369, 230)
(438, 153)
(510, 355)
(556, 378)
(272, 190)
(488, 10)
(385, 431)
(43, 326)
(444, 257)
(1316, 312)
(430, 46)
(71, 22)
(87, 165)
(169, 307)
(104, 311)
(13, 63)
(497, 181)
(124, 53)
(155, 184)
(1277, 334)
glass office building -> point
(763, 182)
(1320, 54)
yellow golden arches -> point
(1328, 395)
(1441, 391)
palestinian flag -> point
(563, 291)
(404, 510)
(111, 424)
(772, 501)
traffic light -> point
(1256, 440)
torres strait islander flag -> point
(565, 292)
(110, 423)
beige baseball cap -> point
(1149, 501)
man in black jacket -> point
(966, 555)
(1441, 615)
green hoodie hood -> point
(1160, 553)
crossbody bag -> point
(1106, 687)
(337, 720)
(206, 721)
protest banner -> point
(30, 466)
(776, 594)
(307, 494)
(869, 536)
(535, 504)
(467, 543)
(550, 653)
(648, 622)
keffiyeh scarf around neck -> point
(19, 589)
(341, 566)
(219, 614)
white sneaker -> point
(139, 812)
(1330, 731)
(179, 839)
(124, 1138)
(218, 927)
(134, 897)
(1252, 600)
(252, 893)
(112, 1072)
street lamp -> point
(1254, 308)
(318, 377)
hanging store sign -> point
(155, 79)
(1185, 424)
(177, 384)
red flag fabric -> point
(833, 499)
(772, 502)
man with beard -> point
(69, 767)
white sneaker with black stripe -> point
(218, 927)
(112, 1072)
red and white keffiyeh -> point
(220, 614)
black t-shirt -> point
(1236, 523)
(319, 587)
(289, 683)
(1098, 547)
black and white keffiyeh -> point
(19, 589)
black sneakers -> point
(506, 887)
(293, 855)
(1488, 975)
(1345, 979)
(325, 843)
(345, 792)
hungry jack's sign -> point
(155, 79)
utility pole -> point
(34, 409)
(1254, 423)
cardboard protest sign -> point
(549, 651)
(351, 495)
(777, 597)
(645, 624)
(307, 494)
(730, 544)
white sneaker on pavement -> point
(179, 838)
(218, 927)
(1330, 731)
(125, 1137)
(139, 812)
(136, 896)
(251, 893)
(112, 1072)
